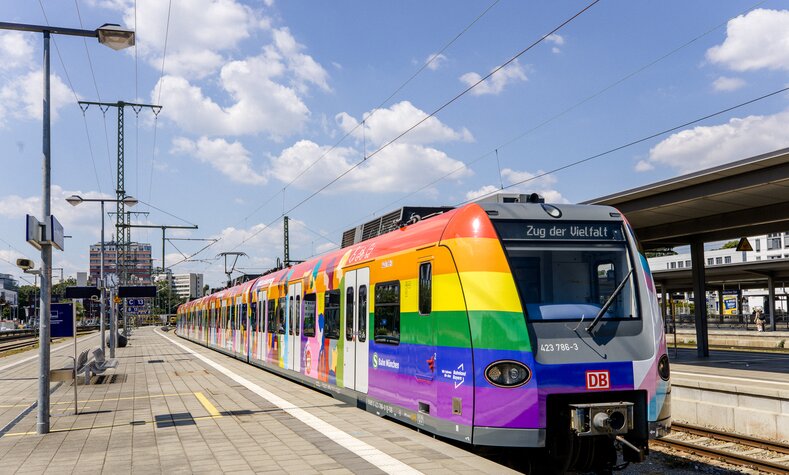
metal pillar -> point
(286, 240)
(42, 424)
(771, 301)
(102, 285)
(700, 298)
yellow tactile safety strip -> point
(209, 407)
(25, 404)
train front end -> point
(568, 341)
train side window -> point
(349, 314)
(309, 314)
(290, 315)
(387, 313)
(331, 328)
(363, 313)
(243, 316)
(281, 316)
(425, 288)
(298, 314)
(272, 323)
(253, 317)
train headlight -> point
(507, 374)
(663, 368)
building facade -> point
(8, 290)
(765, 247)
(138, 262)
(186, 286)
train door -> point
(294, 327)
(356, 313)
(240, 319)
(260, 326)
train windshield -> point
(571, 275)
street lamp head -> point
(115, 36)
(74, 200)
(130, 201)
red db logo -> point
(598, 380)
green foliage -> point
(730, 244)
(664, 251)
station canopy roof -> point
(743, 198)
(741, 275)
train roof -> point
(415, 233)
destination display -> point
(560, 231)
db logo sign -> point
(598, 380)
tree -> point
(730, 244)
(663, 251)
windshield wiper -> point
(608, 302)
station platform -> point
(174, 407)
(743, 392)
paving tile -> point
(151, 422)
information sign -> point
(62, 320)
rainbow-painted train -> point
(497, 324)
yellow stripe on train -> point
(490, 291)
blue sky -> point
(255, 92)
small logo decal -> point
(598, 379)
(375, 360)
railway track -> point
(24, 341)
(766, 456)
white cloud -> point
(84, 217)
(527, 183)
(557, 41)
(22, 96)
(231, 159)
(644, 166)
(496, 83)
(16, 49)
(400, 167)
(199, 32)
(303, 67)
(261, 105)
(435, 61)
(757, 40)
(704, 147)
(726, 84)
(386, 124)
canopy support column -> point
(700, 298)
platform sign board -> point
(33, 231)
(62, 320)
(54, 233)
(136, 306)
(126, 291)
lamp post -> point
(130, 201)
(116, 38)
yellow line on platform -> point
(100, 400)
(207, 405)
(213, 413)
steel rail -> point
(728, 456)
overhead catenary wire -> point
(432, 114)
(426, 64)
(98, 94)
(73, 91)
(446, 104)
(637, 141)
(159, 97)
(556, 116)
